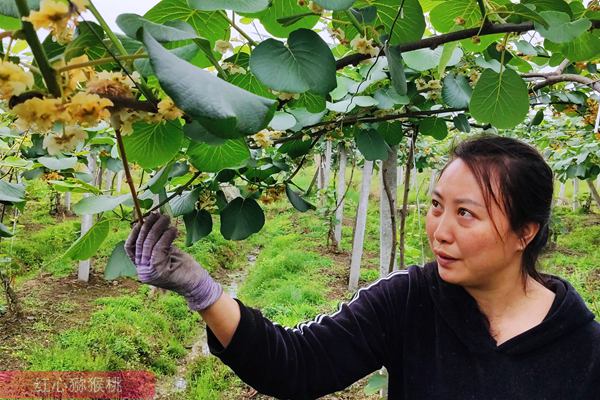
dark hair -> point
(524, 185)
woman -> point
(478, 323)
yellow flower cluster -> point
(233, 68)
(272, 194)
(167, 110)
(58, 16)
(68, 141)
(364, 46)
(222, 46)
(88, 109)
(265, 137)
(113, 84)
(14, 80)
(73, 77)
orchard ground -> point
(110, 325)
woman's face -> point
(461, 232)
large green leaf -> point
(87, 245)
(392, 132)
(435, 127)
(97, 204)
(283, 121)
(184, 203)
(409, 26)
(500, 99)
(58, 164)
(187, 53)
(461, 122)
(198, 224)
(443, 16)
(241, 218)
(222, 108)
(119, 264)
(584, 47)
(295, 148)
(131, 23)
(425, 59)
(241, 6)
(456, 91)
(209, 24)
(151, 145)
(73, 185)
(11, 192)
(560, 27)
(371, 144)
(305, 63)
(297, 201)
(282, 9)
(396, 68)
(86, 42)
(233, 154)
(312, 102)
(335, 4)
(550, 5)
(157, 183)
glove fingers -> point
(162, 248)
(154, 235)
(130, 242)
(139, 244)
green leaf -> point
(231, 154)
(223, 109)
(4, 231)
(560, 28)
(522, 13)
(396, 68)
(246, 79)
(349, 104)
(58, 164)
(97, 204)
(15, 162)
(282, 9)
(241, 6)
(241, 218)
(151, 145)
(435, 127)
(371, 144)
(500, 99)
(198, 224)
(408, 28)
(9, 7)
(11, 192)
(184, 52)
(86, 42)
(461, 122)
(209, 24)
(157, 183)
(306, 63)
(443, 16)
(131, 23)
(312, 102)
(282, 121)
(297, 201)
(198, 133)
(119, 264)
(537, 118)
(425, 59)
(87, 245)
(184, 203)
(456, 91)
(335, 4)
(550, 5)
(584, 47)
(295, 148)
(74, 186)
(392, 132)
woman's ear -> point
(528, 232)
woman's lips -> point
(444, 260)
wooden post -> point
(594, 191)
(387, 215)
(340, 191)
(119, 182)
(561, 194)
(575, 194)
(359, 227)
(83, 273)
(68, 201)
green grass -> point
(127, 332)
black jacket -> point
(431, 337)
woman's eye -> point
(463, 212)
(434, 203)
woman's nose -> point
(443, 230)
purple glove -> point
(161, 264)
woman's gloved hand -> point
(159, 263)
